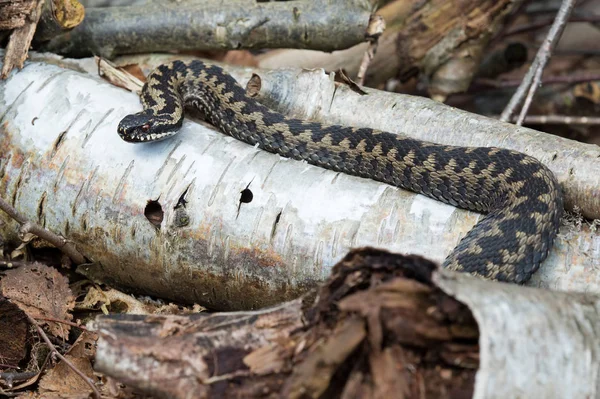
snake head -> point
(145, 127)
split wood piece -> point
(422, 37)
(26, 17)
(380, 326)
(211, 25)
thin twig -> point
(560, 120)
(11, 377)
(533, 77)
(374, 31)
(54, 239)
(35, 378)
(562, 79)
(69, 323)
(42, 334)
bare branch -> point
(208, 25)
(533, 77)
(54, 239)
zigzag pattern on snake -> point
(520, 195)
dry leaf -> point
(62, 379)
(41, 292)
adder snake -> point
(521, 197)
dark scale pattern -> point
(520, 195)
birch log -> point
(166, 218)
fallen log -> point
(174, 219)
(207, 25)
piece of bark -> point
(194, 25)
(14, 13)
(95, 189)
(19, 41)
(383, 325)
(46, 17)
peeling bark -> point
(25, 18)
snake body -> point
(520, 195)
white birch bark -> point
(64, 166)
(533, 343)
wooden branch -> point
(67, 362)
(28, 227)
(193, 25)
(420, 37)
(58, 17)
(533, 77)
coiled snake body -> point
(520, 195)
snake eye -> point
(145, 127)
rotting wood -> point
(19, 41)
(378, 324)
(25, 18)
(13, 13)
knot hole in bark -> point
(154, 213)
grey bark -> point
(215, 25)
